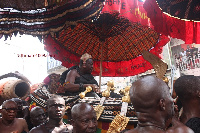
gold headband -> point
(85, 57)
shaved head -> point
(152, 102)
(84, 118)
(35, 110)
(9, 108)
(53, 97)
(80, 108)
(16, 99)
(38, 116)
(145, 93)
(7, 102)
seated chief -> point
(77, 78)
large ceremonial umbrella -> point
(176, 18)
(111, 39)
(17, 17)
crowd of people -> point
(156, 110)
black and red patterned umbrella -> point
(111, 39)
(176, 18)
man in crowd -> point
(187, 88)
(9, 123)
(56, 111)
(21, 113)
(84, 118)
(77, 78)
(154, 106)
(38, 116)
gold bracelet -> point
(66, 83)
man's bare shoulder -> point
(143, 131)
(180, 129)
(73, 71)
(37, 129)
(20, 119)
(131, 131)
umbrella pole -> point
(100, 75)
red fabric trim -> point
(188, 31)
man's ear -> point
(198, 93)
(162, 104)
(72, 122)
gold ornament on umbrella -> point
(159, 66)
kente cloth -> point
(45, 90)
(194, 124)
(84, 79)
(40, 96)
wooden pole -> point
(100, 74)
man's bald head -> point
(146, 93)
(8, 102)
(79, 109)
(38, 116)
(16, 99)
(19, 103)
(55, 97)
(9, 110)
(34, 111)
(84, 118)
